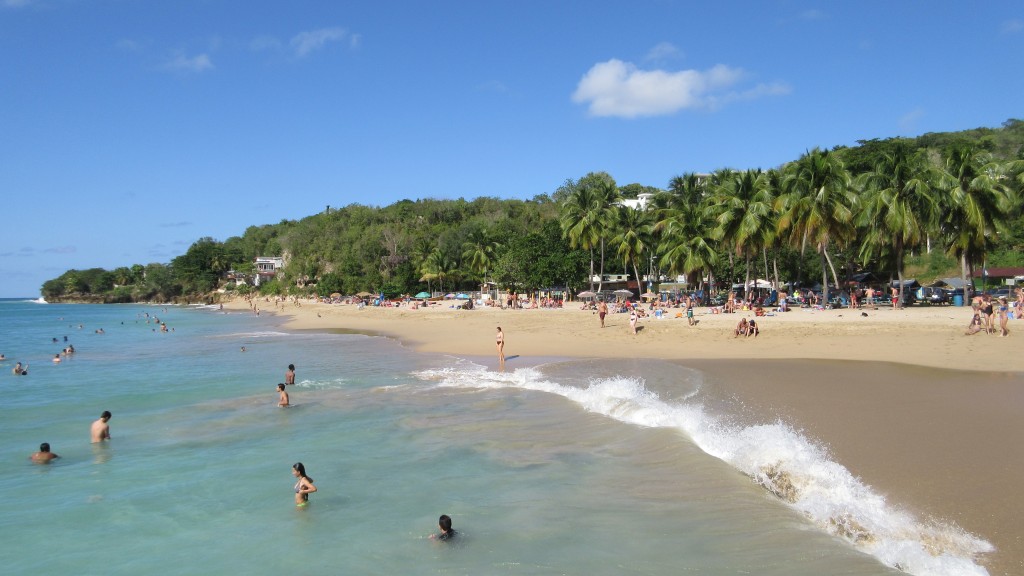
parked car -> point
(999, 293)
(934, 296)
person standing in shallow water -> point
(282, 399)
(289, 376)
(304, 486)
(500, 337)
(100, 430)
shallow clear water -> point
(570, 468)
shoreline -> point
(938, 440)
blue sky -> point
(130, 128)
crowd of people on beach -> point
(986, 310)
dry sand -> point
(946, 444)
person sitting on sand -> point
(44, 455)
(752, 329)
(444, 524)
(282, 396)
(741, 329)
(976, 325)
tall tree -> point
(684, 227)
(631, 239)
(741, 207)
(898, 206)
(816, 206)
(976, 201)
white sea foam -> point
(779, 458)
(333, 384)
(39, 300)
(252, 335)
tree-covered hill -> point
(725, 225)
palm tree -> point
(899, 206)
(741, 207)
(816, 206)
(585, 216)
(438, 266)
(976, 203)
(578, 223)
(684, 228)
(631, 240)
(479, 253)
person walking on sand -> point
(289, 376)
(282, 400)
(602, 311)
(304, 486)
(632, 320)
(500, 340)
(100, 430)
(44, 455)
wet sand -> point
(940, 443)
(924, 414)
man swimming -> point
(100, 429)
(444, 523)
(44, 455)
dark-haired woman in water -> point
(303, 486)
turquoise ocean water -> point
(576, 467)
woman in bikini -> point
(304, 485)
(501, 345)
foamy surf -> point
(791, 466)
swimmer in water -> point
(44, 455)
(283, 396)
(444, 524)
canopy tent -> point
(758, 283)
(955, 283)
(909, 283)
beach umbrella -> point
(648, 294)
(336, 295)
(449, 295)
(364, 294)
(623, 292)
(423, 295)
(462, 296)
(586, 294)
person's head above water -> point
(445, 523)
(44, 447)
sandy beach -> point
(940, 438)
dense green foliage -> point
(825, 215)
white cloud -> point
(198, 63)
(663, 51)
(617, 88)
(306, 42)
